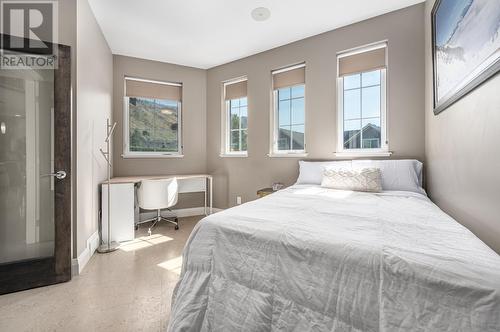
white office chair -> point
(158, 195)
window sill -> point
(151, 156)
(233, 155)
(287, 155)
(362, 154)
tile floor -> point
(127, 290)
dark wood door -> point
(35, 173)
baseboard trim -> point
(181, 213)
(197, 211)
(79, 263)
(190, 212)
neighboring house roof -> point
(297, 137)
(369, 131)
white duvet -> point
(314, 259)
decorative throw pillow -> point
(363, 179)
(311, 172)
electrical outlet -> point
(238, 200)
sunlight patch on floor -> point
(173, 265)
(144, 242)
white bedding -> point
(313, 259)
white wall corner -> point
(79, 263)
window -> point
(238, 123)
(362, 101)
(362, 110)
(235, 118)
(152, 114)
(288, 121)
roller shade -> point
(145, 89)
(285, 78)
(236, 90)
(366, 61)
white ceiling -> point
(207, 33)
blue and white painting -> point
(466, 43)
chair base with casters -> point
(157, 195)
(158, 218)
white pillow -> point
(311, 172)
(399, 175)
(363, 179)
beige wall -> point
(94, 87)
(404, 31)
(67, 36)
(193, 121)
(462, 154)
(67, 31)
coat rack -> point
(109, 245)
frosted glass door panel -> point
(26, 162)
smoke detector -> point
(261, 14)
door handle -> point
(58, 175)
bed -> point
(308, 258)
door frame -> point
(38, 272)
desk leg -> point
(205, 201)
(211, 193)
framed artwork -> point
(465, 47)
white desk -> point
(123, 201)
